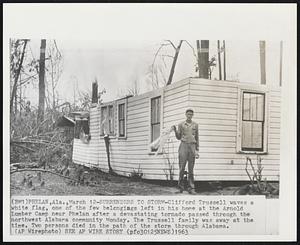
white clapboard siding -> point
(88, 153)
(216, 111)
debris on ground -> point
(84, 181)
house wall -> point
(131, 154)
(88, 154)
(216, 111)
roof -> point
(80, 113)
(65, 121)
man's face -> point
(189, 115)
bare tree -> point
(134, 89)
(54, 69)
(42, 81)
(16, 61)
(157, 71)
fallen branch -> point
(25, 165)
(57, 174)
(22, 146)
(39, 142)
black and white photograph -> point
(158, 117)
(136, 136)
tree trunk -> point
(174, 63)
(16, 76)
(42, 82)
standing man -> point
(188, 150)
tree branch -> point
(169, 41)
(194, 53)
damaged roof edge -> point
(65, 121)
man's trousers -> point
(186, 154)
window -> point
(107, 120)
(81, 124)
(155, 118)
(253, 121)
(111, 120)
(121, 119)
(103, 120)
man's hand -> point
(173, 128)
(197, 154)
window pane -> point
(252, 135)
(121, 111)
(257, 135)
(260, 107)
(103, 116)
(158, 110)
(155, 131)
(103, 113)
(85, 126)
(246, 106)
(155, 110)
(121, 128)
(253, 106)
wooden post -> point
(41, 107)
(262, 51)
(219, 61)
(224, 59)
(203, 58)
(280, 64)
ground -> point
(95, 182)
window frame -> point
(75, 127)
(154, 95)
(107, 105)
(265, 123)
(122, 102)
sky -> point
(116, 64)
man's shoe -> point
(192, 192)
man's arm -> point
(197, 138)
(178, 133)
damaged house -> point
(235, 120)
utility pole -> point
(41, 107)
(203, 58)
(219, 61)
(95, 92)
(280, 63)
(224, 59)
(262, 52)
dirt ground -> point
(95, 182)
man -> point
(188, 150)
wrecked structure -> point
(235, 120)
